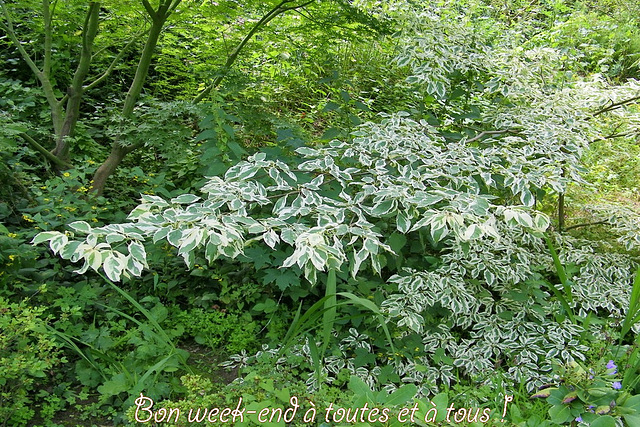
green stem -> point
(565, 283)
(329, 315)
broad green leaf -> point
(560, 414)
(401, 395)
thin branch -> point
(587, 224)
(277, 10)
(46, 153)
(616, 105)
(173, 7)
(8, 28)
(115, 61)
(490, 132)
(48, 37)
(619, 135)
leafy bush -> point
(28, 354)
(218, 329)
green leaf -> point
(396, 241)
(560, 414)
(402, 395)
(605, 421)
(331, 106)
(359, 387)
(363, 357)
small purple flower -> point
(611, 365)
(579, 419)
(616, 385)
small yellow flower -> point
(27, 218)
(91, 162)
(66, 174)
(94, 219)
(82, 189)
(12, 235)
(44, 187)
(13, 257)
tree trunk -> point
(117, 151)
(106, 169)
(75, 91)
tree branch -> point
(174, 6)
(490, 132)
(275, 11)
(48, 37)
(615, 105)
(41, 75)
(8, 28)
(149, 9)
(46, 153)
(115, 61)
(588, 224)
(617, 135)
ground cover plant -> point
(393, 205)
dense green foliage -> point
(384, 203)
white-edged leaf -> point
(403, 222)
(185, 199)
(81, 226)
(44, 236)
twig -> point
(586, 224)
(616, 105)
(490, 132)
